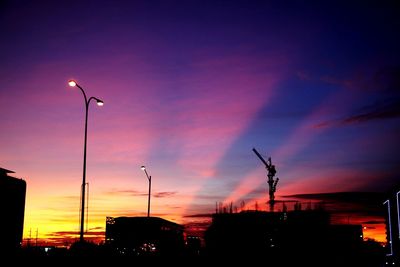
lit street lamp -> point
(87, 102)
(148, 202)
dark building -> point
(12, 201)
(144, 236)
(294, 237)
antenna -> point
(271, 182)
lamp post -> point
(87, 102)
(148, 202)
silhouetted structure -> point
(193, 246)
(392, 204)
(140, 236)
(12, 201)
(271, 182)
(298, 236)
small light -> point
(100, 103)
(143, 168)
(72, 83)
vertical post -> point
(72, 83)
(87, 208)
(148, 178)
(84, 174)
(148, 202)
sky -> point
(189, 88)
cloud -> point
(383, 79)
(96, 228)
(132, 192)
(75, 233)
(126, 192)
(382, 110)
(359, 197)
(163, 194)
(209, 197)
(378, 111)
(363, 204)
(63, 238)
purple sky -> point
(190, 87)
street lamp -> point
(72, 83)
(148, 202)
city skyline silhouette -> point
(189, 89)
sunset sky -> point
(190, 87)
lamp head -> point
(72, 83)
(143, 168)
(100, 103)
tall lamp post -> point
(87, 102)
(149, 178)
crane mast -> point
(272, 183)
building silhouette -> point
(286, 238)
(144, 236)
(12, 201)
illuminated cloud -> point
(127, 192)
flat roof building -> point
(144, 236)
(12, 202)
(293, 237)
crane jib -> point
(260, 157)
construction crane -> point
(271, 181)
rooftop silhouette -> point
(12, 203)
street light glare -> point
(100, 103)
(72, 83)
(143, 168)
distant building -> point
(12, 202)
(283, 237)
(144, 236)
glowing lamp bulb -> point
(72, 83)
